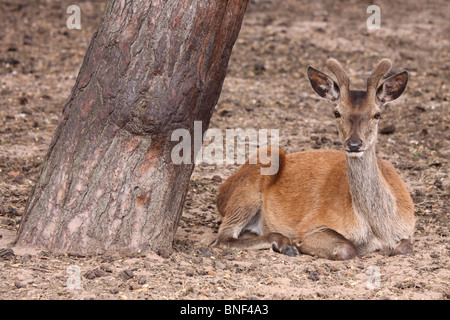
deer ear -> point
(323, 85)
(392, 87)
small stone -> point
(313, 276)
(126, 274)
(420, 193)
(438, 183)
(225, 113)
(388, 129)
(106, 267)
(114, 290)
(142, 280)
(20, 284)
(89, 274)
(134, 285)
(219, 265)
(6, 253)
(337, 143)
(259, 67)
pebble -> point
(20, 284)
(126, 274)
(388, 129)
(114, 290)
(313, 276)
(219, 265)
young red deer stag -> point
(331, 204)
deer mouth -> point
(354, 154)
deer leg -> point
(278, 242)
(327, 243)
(404, 247)
(243, 231)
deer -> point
(332, 204)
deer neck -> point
(373, 202)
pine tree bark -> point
(108, 181)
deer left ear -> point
(392, 87)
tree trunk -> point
(108, 181)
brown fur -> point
(331, 204)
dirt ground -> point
(266, 87)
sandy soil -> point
(266, 87)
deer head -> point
(357, 111)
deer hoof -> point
(404, 247)
(287, 250)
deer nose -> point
(354, 145)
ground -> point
(266, 87)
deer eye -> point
(377, 115)
(337, 114)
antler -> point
(380, 70)
(342, 78)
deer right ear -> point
(323, 85)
